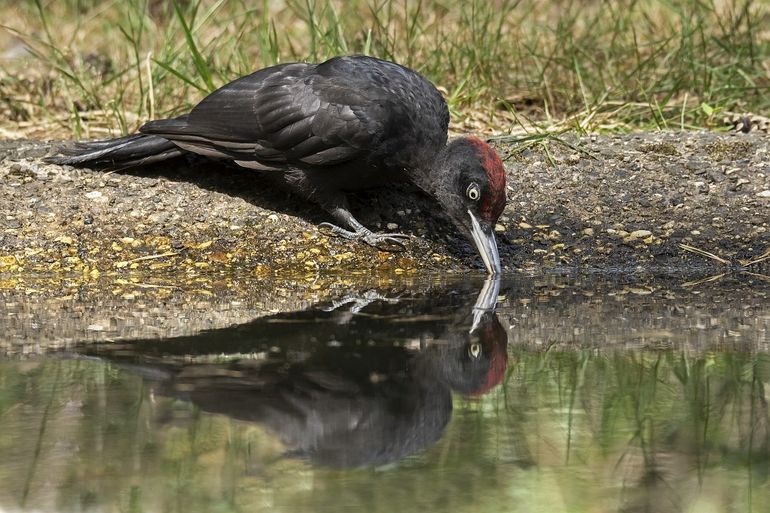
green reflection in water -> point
(567, 431)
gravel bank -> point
(602, 202)
(631, 201)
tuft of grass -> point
(86, 68)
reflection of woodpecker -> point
(350, 403)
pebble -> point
(94, 195)
(764, 194)
(392, 226)
(639, 234)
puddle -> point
(574, 394)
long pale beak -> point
(484, 238)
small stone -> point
(392, 226)
(639, 234)
(525, 226)
(764, 194)
(94, 195)
(588, 232)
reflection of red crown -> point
(493, 340)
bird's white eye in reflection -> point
(473, 191)
(474, 350)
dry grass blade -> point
(704, 280)
(704, 253)
(759, 276)
(761, 258)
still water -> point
(573, 394)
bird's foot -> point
(383, 241)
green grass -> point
(506, 66)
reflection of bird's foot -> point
(382, 241)
(357, 303)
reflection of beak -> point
(486, 301)
(485, 241)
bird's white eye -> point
(474, 350)
(473, 191)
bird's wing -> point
(287, 115)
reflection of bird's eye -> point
(474, 350)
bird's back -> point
(406, 112)
(347, 109)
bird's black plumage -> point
(321, 129)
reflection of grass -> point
(646, 420)
(509, 64)
(570, 431)
(742, 266)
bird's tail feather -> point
(123, 152)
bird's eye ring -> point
(474, 350)
(473, 191)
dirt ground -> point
(88, 255)
(601, 202)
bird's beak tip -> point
(484, 238)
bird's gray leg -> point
(382, 241)
(335, 202)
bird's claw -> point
(391, 242)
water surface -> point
(575, 394)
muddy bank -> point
(165, 252)
(601, 202)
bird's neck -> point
(421, 177)
(426, 176)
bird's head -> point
(469, 181)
